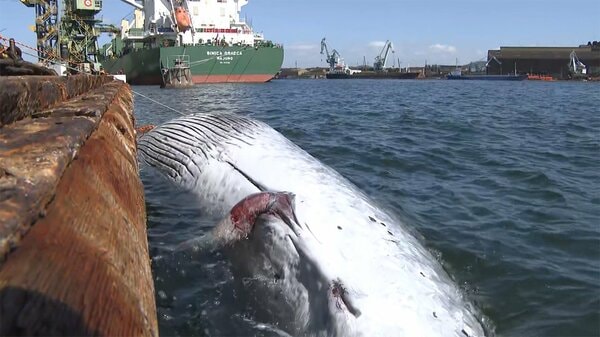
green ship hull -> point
(208, 63)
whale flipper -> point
(199, 245)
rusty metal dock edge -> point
(73, 245)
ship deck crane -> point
(381, 59)
(134, 4)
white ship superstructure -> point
(209, 22)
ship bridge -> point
(193, 22)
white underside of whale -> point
(399, 288)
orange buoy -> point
(183, 19)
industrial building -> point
(559, 62)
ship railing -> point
(267, 43)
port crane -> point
(72, 39)
(383, 55)
(576, 67)
(46, 27)
(332, 59)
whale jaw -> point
(283, 281)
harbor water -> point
(501, 179)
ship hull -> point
(488, 77)
(208, 64)
(373, 75)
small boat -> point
(457, 75)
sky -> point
(422, 31)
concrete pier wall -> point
(73, 247)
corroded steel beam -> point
(23, 95)
(73, 221)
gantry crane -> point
(383, 55)
(74, 38)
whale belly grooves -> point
(368, 263)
